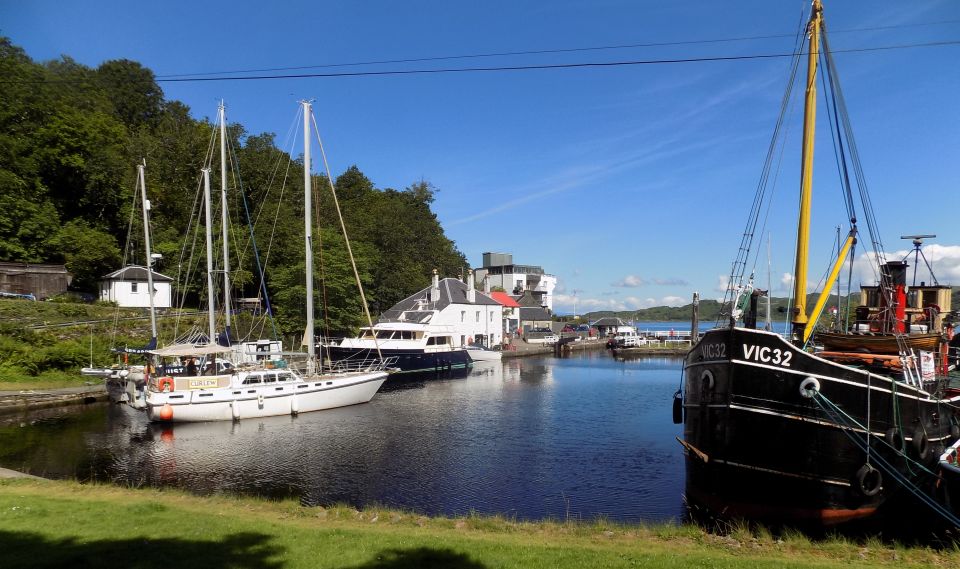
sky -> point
(630, 183)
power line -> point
(539, 51)
(541, 66)
(607, 64)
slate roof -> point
(135, 273)
(534, 314)
(452, 291)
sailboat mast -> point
(146, 242)
(211, 301)
(800, 318)
(308, 239)
(223, 216)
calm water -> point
(531, 438)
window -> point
(463, 315)
(133, 287)
(252, 380)
(463, 340)
(491, 317)
(384, 334)
(478, 316)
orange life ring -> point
(165, 382)
(875, 326)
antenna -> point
(917, 253)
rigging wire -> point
(346, 238)
(252, 241)
(738, 268)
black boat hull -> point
(758, 448)
(407, 361)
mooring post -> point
(695, 323)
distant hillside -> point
(710, 309)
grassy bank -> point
(65, 524)
(43, 345)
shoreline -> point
(12, 401)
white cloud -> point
(630, 281)
(944, 259)
(670, 282)
(786, 281)
(564, 303)
(723, 283)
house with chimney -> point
(471, 316)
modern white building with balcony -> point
(500, 271)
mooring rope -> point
(841, 417)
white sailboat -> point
(211, 392)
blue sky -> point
(630, 183)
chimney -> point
(486, 285)
(471, 291)
(435, 288)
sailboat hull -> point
(245, 402)
(756, 447)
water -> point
(778, 326)
(530, 438)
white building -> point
(500, 271)
(473, 317)
(128, 288)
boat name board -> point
(202, 383)
(716, 351)
(767, 355)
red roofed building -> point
(511, 311)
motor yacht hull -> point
(407, 360)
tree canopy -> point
(71, 137)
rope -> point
(826, 405)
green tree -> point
(87, 252)
(132, 89)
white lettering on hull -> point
(767, 355)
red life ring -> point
(165, 384)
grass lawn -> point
(66, 524)
(48, 380)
